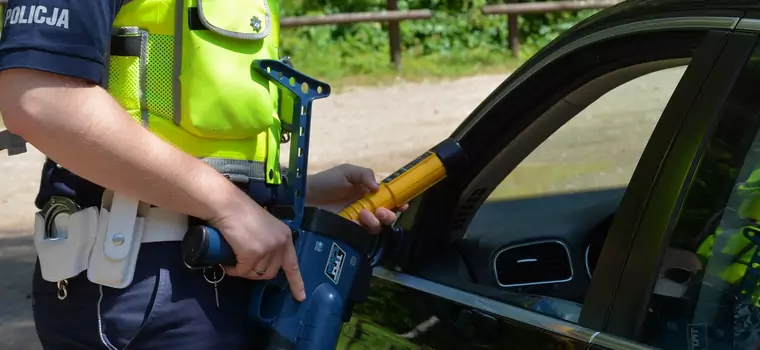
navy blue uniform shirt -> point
(67, 37)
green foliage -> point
(537, 30)
(458, 30)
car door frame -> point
(460, 197)
(654, 224)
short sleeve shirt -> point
(67, 37)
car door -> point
(691, 279)
(447, 292)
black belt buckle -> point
(52, 209)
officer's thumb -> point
(362, 176)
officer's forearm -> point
(81, 127)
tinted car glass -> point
(600, 147)
(707, 289)
(544, 226)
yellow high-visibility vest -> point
(182, 68)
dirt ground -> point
(381, 128)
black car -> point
(665, 258)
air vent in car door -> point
(540, 262)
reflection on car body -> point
(601, 210)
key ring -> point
(194, 267)
(209, 280)
(62, 291)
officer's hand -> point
(338, 187)
(260, 242)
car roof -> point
(636, 9)
(659, 5)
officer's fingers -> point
(246, 262)
(370, 221)
(293, 272)
(404, 207)
(262, 267)
(385, 216)
(361, 176)
(232, 271)
(242, 269)
(272, 267)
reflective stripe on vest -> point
(183, 70)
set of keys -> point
(217, 275)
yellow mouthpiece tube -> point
(410, 181)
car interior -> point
(541, 253)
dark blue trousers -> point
(167, 306)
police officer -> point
(142, 107)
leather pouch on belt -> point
(114, 255)
(65, 256)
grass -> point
(360, 333)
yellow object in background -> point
(411, 180)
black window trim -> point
(651, 226)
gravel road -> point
(381, 128)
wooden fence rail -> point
(355, 17)
(393, 16)
(550, 6)
(515, 9)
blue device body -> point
(332, 251)
(335, 273)
(328, 274)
